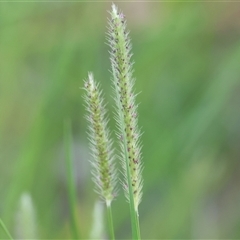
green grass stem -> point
(70, 180)
(110, 222)
(138, 226)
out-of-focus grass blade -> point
(5, 229)
(70, 179)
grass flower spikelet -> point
(101, 146)
(126, 112)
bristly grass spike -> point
(126, 112)
(104, 173)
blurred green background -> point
(187, 68)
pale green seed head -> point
(104, 174)
(126, 113)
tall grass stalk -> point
(70, 179)
(104, 174)
(5, 229)
(126, 112)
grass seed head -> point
(126, 112)
(104, 174)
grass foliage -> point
(187, 66)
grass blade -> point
(5, 229)
(70, 180)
